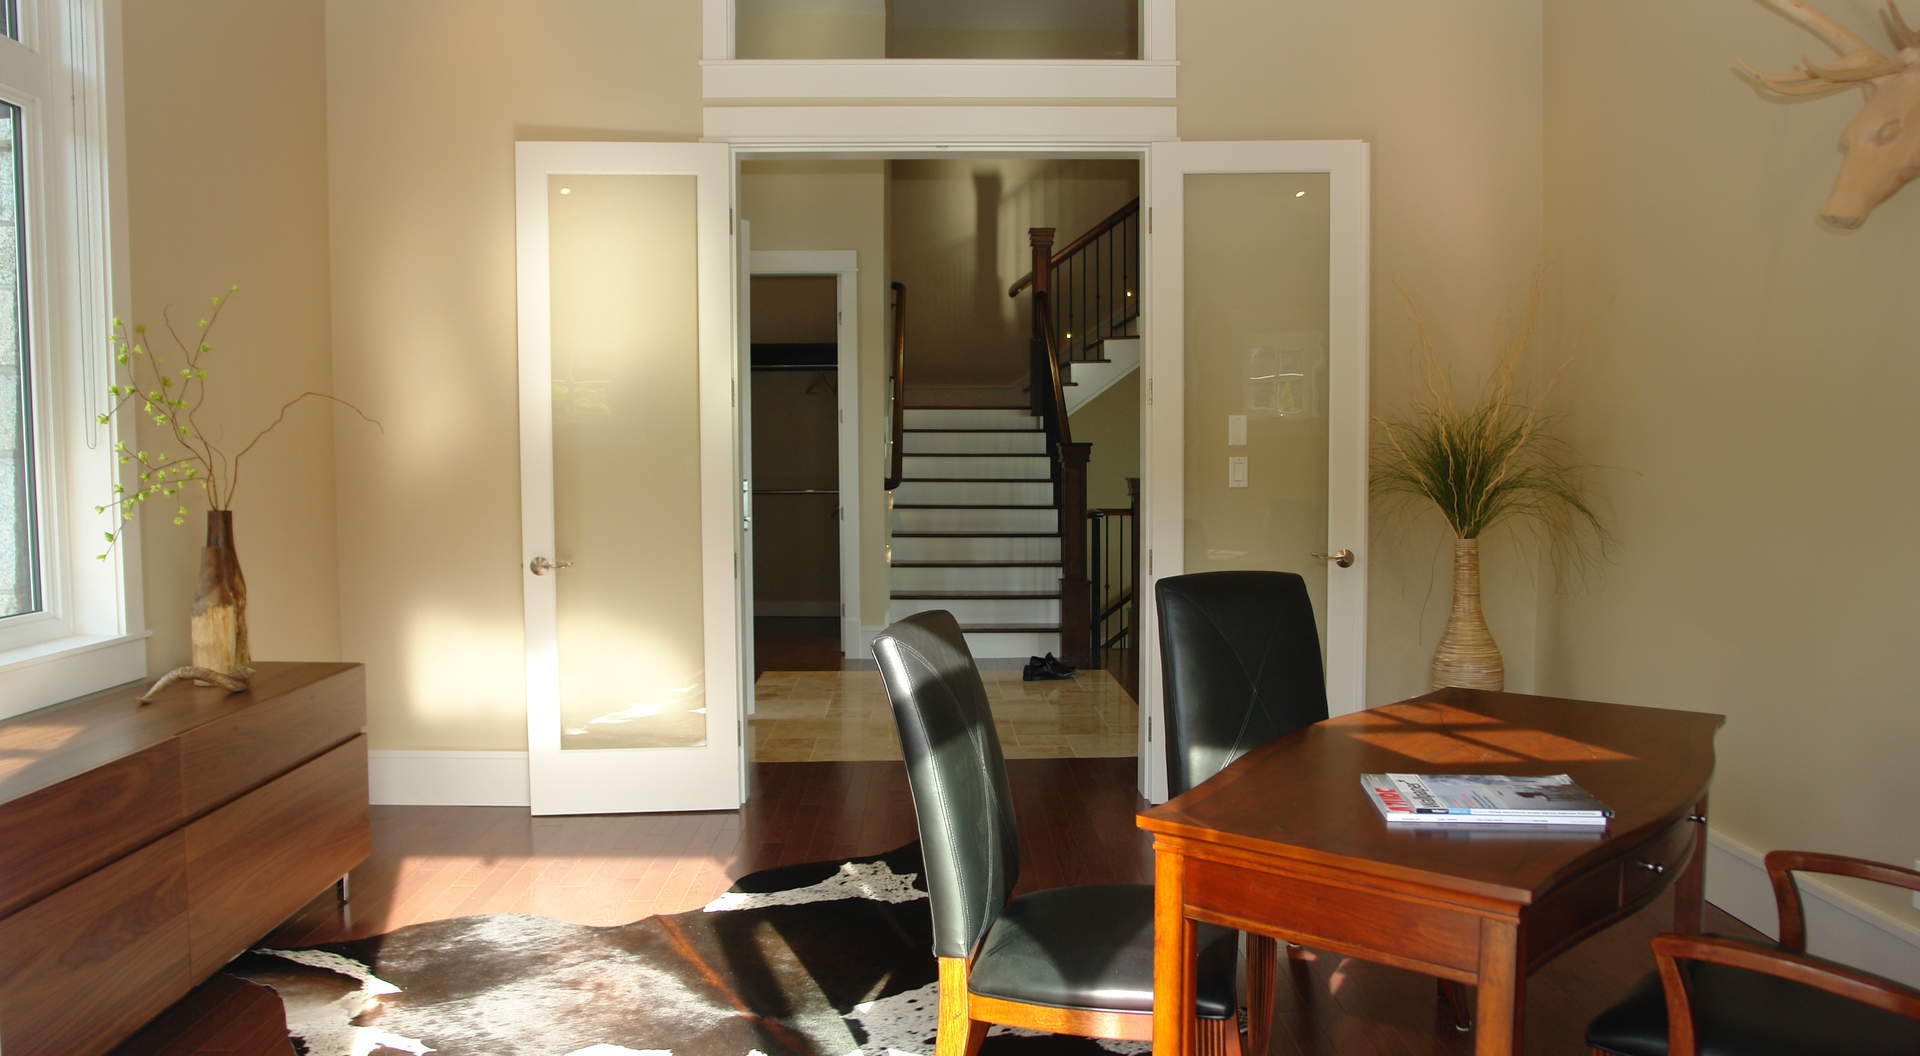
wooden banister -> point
(894, 469)
(1067, 462)
(1119, 216)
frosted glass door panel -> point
(626, 460)
(1256, 287)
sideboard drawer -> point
(255, 861)
(1648, 868)
(85, 966)
(69, 829)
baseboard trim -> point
(448, 779)
(1839, 926)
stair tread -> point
(1035, 429)
(1009, 628)
(973, 454)
(966, 407)
(969, 506)
(977, 595)
(976, 564)
(976, 480)
(976, 535)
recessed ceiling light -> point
(1296, 194)
(569, 190)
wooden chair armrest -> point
(1835, 979)
(1781, 865)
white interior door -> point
(1256, 374)
(743, 444)
(628, 481)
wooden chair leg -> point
(1459, 1004)
(1217, 1037)
(1263, 956)
(959, 1034)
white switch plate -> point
(1236, 430)
(1236, 471)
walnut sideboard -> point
(141, 848)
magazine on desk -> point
(1482, 799)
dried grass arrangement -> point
(1483, 460)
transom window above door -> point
(937, 49)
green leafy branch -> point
(169, 390)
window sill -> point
(35, 676)
(937, 79)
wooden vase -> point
(1467, 655)
(220, 608)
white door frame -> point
(1163, 363)
(595, 781)
(795, 133)
(844, 267)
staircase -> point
(975, 529)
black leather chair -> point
(1715, 996)
(1241, 658)
(1074, 960)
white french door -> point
(1255, 439)
(627, 367)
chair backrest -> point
(1241, 659)
(957, 774)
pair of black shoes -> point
(1044, 668)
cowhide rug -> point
(822, 959)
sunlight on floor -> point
(825, 716)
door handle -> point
(539, 565)
(1342, 557)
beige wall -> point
(840, 205)
(1748, 378)
(1449, 97)
(425, 101)
(810, 29)
(226, 174)
(1111, 423)
(958, 233)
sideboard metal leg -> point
(343, 889)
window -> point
(938, 49)
(68, 623)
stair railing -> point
(1113, 540)
(1095, 283)
(897, 389)
(1067, 461)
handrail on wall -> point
(894, 469)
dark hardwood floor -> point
(1076, 819)
(796, 644)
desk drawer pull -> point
(1652, 867)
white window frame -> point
(1152, 76)
(64, 74)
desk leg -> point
(1690, 891)
(1501, 1009)
(1173, 942)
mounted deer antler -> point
(1881, 143)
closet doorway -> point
(800, 357)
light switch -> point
(1236, 471)
(1236, 430)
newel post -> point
(1076, 590)
(1040, 377)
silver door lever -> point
(539, 565)
(1342, 557)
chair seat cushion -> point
(1091, 947)
(1741, 1013)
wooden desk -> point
(1284, 843)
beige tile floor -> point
(837, 716)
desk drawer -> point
(1648, 868)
